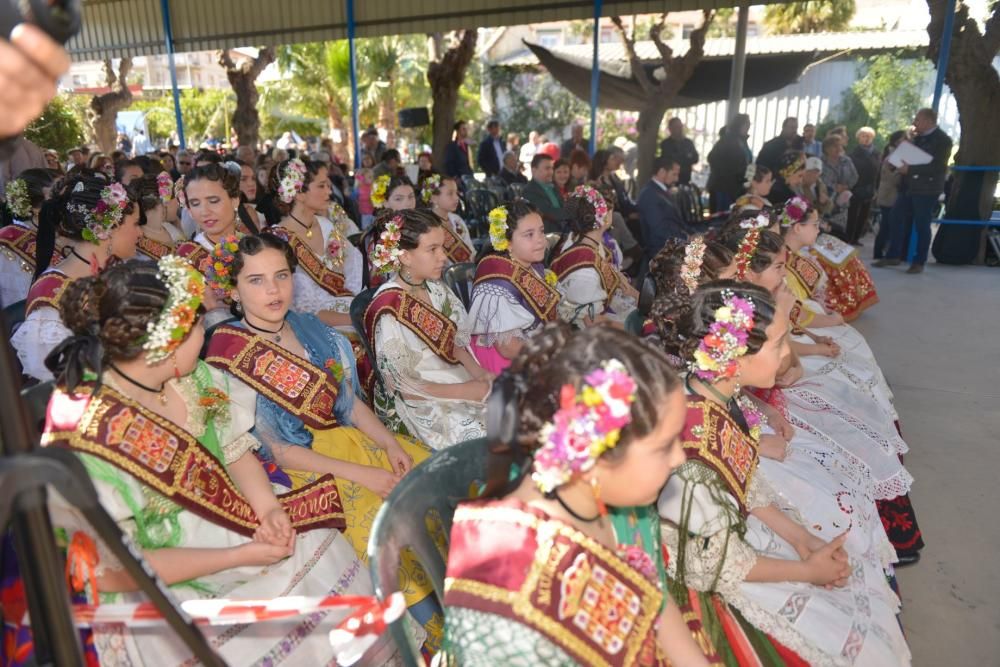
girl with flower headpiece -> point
(330, 267)
(390, 195)
(588, 278)
(729, 531)
(758, 184)
(419, 331)
(559, 561)
(136, 406)
(440, 194)
(24, 198)
(101, 223)
(159, 205)
(513, 294)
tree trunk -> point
(104, 108)
(243, 79)
(648, 127)
(336, 120)
(445, 76)
(387, 113)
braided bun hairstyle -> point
(582, 216)
(108, 315)
(686, 318)
(278, 172)
(416, 223)
(769, 246)
(666, 267)
(527, 394)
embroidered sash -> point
(582, 257)
(294, 383)
(454, 245)
(712, 437)
(533, 290)
(805, 271)
(173, 463)
(331, 281)
(46, 291)
(19, 242)
(196, 254)
(152, 248)
(548, 576)
(428, 324)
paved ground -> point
(937, 339)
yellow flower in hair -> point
(380, 189)
(498, 229)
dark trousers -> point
(857, 217)
(884, 232)
(912, 211)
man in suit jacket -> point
(456, 156)
(491, 150)
(920, 188)
(659, 218)
(576, 141)
(542, 194)
(788, 140)
(510, 172)
(680, 149)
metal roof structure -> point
(117, 28)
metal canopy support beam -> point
(595, 75)
(944, 54)
(168, 37)
(355, 112)
(739, 62)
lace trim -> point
(704, 556)
(897, 447)
(234, 450)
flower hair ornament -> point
(726, 340)
(105, 216)
(380, 190)
(746, 252)
(219, 274)
(430, 187)
(595, 199)
(694, 255)
(185, 290)
(498, 228)
(17, 199)
(798, 164)
(292, 180)
(385, 256)
(794, 211)
(749, 174)
(588, 423)
(760, 221)
(179, 193)
(165, 186)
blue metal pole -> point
(595, 75)
(355, 119)
(168, 35)
(944, 53)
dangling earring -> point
(177, 371)
(237, 306)
(595, 488)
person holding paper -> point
(922, 185)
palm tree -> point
(810, 16)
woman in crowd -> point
(594, 420)
(561, 179)
(839, 175)
(588, 280)
(887, 192)
(579, 167)
(440, 194)
(513, 293)
(18, 238)
(100, 221)
(131, 368)
(390, 194)
(155, 194)
(726, 529)
(758, 187)
(419, 331)
(330, 267)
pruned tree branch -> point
(697, 41)
(991, 33)
(656, 34)
(638, 71)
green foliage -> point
(204, 110)
(58, 128)
(723, 25)
(809, 16)
(536, 102)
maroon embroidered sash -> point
(196, 255)
(21, 243)
(807, 272)
(548, 576)
(454, 245)
(582, 257)
(429, 325)
(331, 281)
(46, 291)
(541, 298)
(153, 248)
(173, 463)
(711, 437)
(294, 383)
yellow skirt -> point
(361, 504)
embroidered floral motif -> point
(281, 374)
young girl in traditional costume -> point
(302, 384)
(329, 266)
(390, 195)
(135, 404)
(590, 284)
(561, 564)
(419, 331)
(727, 530)
(156, 198)
(440, 194)
(24, 197)
(513, 293)
(759, 181)
(101, 222)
